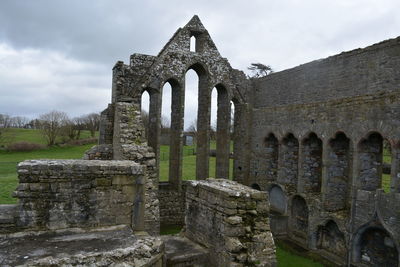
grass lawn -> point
(288, 259)
(13, 135)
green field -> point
(189, 163)
(9, 161)
(15, 135)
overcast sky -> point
(59, 54)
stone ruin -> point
(310, 141)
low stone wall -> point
(232, 221)
(57, 194)
(172, 204)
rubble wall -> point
(232, 221)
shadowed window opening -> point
(312, 164)
(338, 173)
(288, 173)
(374, 159)
(271, 154)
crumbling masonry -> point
(317, 141)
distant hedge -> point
(24, 146)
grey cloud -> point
(88, 37)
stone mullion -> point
(155, 124)
(223, 138)
(176, 141)
(203, 130)
(300, 169)
(326, 165)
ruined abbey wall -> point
(317, 142)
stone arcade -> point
(310, 139)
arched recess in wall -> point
(277, 200)
(289, 157)
(374, 163)
(311, 165)
(197, 120)
(338, 173)
(374, 246)
(220, 132)
(331, 239)
(171, 132)
(299, 217)
(271, 154)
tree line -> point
(52, 125)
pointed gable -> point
(180, 41)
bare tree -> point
(92, 122)
(19, 121)
(79, 126)
(51, 125)
(165, 125)
(192, 127)
(5, 121)
(260, 70)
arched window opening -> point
(311, 178)
(232, 140)
(145, 107)
(338, 173)
(193, 47)
(219, 132)
(190, 124)
(213, 133)
(375, 247)
(387, 165)
(165, 138)
(331, 239)
(288, 173)
(299, 217)
(271, 154)
(374, 163)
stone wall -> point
(330, 118)
(372, 70)
(231, 220)
(172, 204)
(58, 194)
